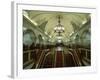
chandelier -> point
(59, 27)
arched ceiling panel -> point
(70, 20)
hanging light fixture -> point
(59, 27)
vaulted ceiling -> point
(46, 21)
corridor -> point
(56, 39)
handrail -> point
(77, 57)
(84, 49)
(33, 50)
